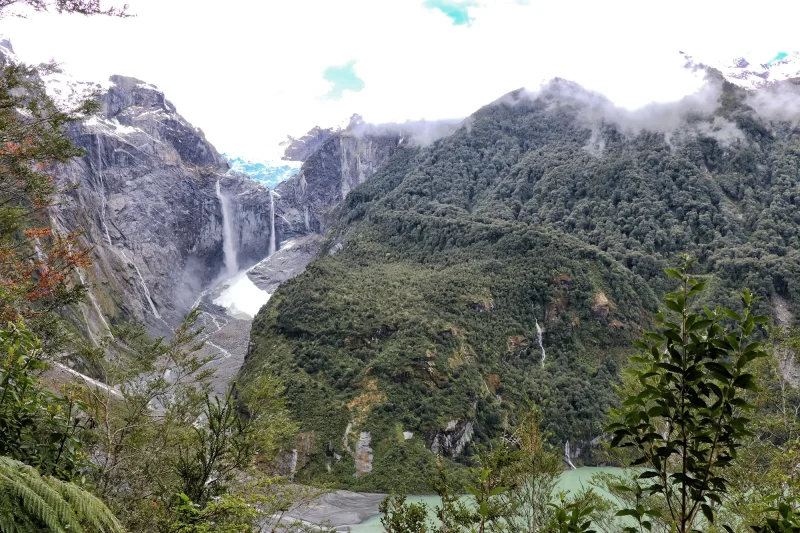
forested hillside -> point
(552, 211)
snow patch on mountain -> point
(755, 73)
(68, 93)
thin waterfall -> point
(102, 188)
(94, 302)
(273, 241)
(567, 456)
(62, 232)
(228, 244)
(539, 335)
(293, 465)
(145, 290)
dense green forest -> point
(425, 309)
(479, 303)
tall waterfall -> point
(228, 243)
(539, 335)
(273, 242)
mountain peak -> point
(752, 74)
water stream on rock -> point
(228, 243)
(273, 245)
(102, 188)
(539, 335)
(145, 290)
(63, 233)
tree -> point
(401, 517)
(167, 450)
(35, 263)
(686, 423)
(535, 478)
(37, 427)
(31, 503)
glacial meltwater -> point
(571, 481)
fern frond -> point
(89, 507)
(31, 503)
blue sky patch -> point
(778, 57)
(343, 79)
(455, 10)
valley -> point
(554, 313)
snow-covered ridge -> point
(7, 51)
(751, 74)
(68, 93)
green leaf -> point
(733, 315)
(707, 512)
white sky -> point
(250, 72)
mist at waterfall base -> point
(240, 296)
(237, 293)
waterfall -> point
(293, 465)
(228, 244)
(307, 218)
(62, 232)
(273, 241)
(102, 188)
(539, 335)
(145, 290)
(94, 303)
(567, 458)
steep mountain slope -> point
(551, 213)
(145, 196)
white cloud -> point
(248, 73)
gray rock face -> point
(302, 148)
(364, 456)
(452, 440)
(343, 162)
(144, 196)
(290, 260)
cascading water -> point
(145, 290)
(63, 233)
(567, 456)
(539, 335)
(273, 241)
(228, 243)
(293, 465)
(102, 188)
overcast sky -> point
(250, 72)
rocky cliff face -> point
(340, 164)
(144, 194)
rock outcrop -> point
(339, 165)
(144, 196)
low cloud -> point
(691, 115)
(778, 102)
(416, 133)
